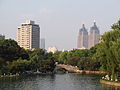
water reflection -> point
(55, 82)
(108, 87)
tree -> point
(10, 50)
(73, 61)
(63, 57)
(37, 54)
(108, 51)
(88, 64)
(116, 26)
(56, 55)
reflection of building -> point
(82, 42)
(28, 35)
(94, 35)
(52, 49)
(42, 43)
(2, 36)
(86, 41)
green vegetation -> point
(14, 59)
(81, 58)
(108, 51)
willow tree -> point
(108, 51)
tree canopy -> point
(108, 51)
(10, 50)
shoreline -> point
(77, 71)
(9, 76)
(116, 84)
(90, 72)
(16, 75)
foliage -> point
(9, 50)
(73, 61)
(14, 59)
(88, 64)
(81, 58)
(108, 51)
(56, 56)
(116, 26)
(63, 57)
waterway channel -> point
(55, 82)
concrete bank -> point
(117, 84)
(90, 72)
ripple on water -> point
(54, 82)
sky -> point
(59, 20)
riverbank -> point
(117, 84)
(15, 75)
(90, 72)
(28, 73)
(59, 68)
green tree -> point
(73, 61)
(37, 54)
(56, 55)
(63, 57)
(10, 50)
(108, 51)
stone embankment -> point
(117, 84)
(91, 72)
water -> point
(55, 82)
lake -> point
(70, 81)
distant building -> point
(82, 41)
(52, 49)
(94, 35)
(85, 40)
(42, 43)
(28, 35)
(2, 36)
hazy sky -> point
(59, 20)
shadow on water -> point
(55, 82)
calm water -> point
(54, 82)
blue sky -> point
(59, 20)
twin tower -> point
(85, 40)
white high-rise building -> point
(94, 35)
(28, 35)
(82, 41)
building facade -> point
(42, 43)
(94, 35)
(82, 41)
(2, 36)
(87, 40)
(28, 35)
